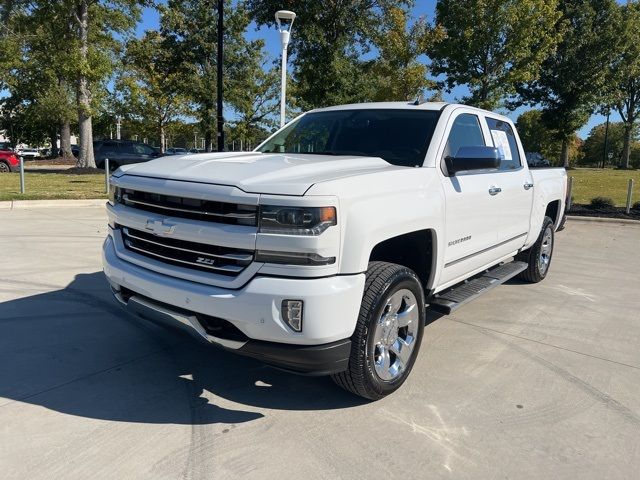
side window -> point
(465, 132)
(142, 149)
(505, 141)
(109, 148)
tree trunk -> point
(564, 155)
(65, 139)
(162, 136)
(53, 135)
(86, 158)
(626, 148)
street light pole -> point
(219, 60)
(284, 19)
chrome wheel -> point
(394, 336)
(545, 250)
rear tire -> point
(4, 167)
(388, 333)
(538, 256)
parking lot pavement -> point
(528, 381)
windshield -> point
(401, 137)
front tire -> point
(538, 257)
(388, 333)
(4, 167)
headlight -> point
(296, 220)
(114, 194)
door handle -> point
(528, 185)
(494, 190)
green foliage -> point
(572, 80)
(625, 76)
(150, 84)
(190, 29)
(398, 73)
(493, 45)
(601, 203)
(537, 137)
(594, 146)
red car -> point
(9, 161)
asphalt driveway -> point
(528, 381)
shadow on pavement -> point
(76, 351)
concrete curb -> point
(603, 220)
(27, 204)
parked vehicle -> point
(9, 161)
(122, 152)
(176, 151)
(537, 160)
(197, 150)
(319, 251)
(28, 153)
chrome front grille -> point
(199, 256)
(191, 208)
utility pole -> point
(118, 125)
(220, 59)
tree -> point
(91, 46)
(255, 110)
(572, 80)
(152, 87)
(538, 138)
(398, 72)
(327, 45)
(594, 146)
(491, 46)
(190, 29)
(36, 75)
(625, 79)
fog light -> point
(292, 314)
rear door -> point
(471, 222)
(516, 185)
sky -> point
(426, 8)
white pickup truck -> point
(320, 251)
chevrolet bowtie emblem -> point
(160, 227)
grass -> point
(594, 182)
(52, 185)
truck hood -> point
(254, 172)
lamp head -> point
(284, 19)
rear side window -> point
(465, 132)
(505, 141)
(109, 147)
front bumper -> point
(331, 307)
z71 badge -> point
(205, 261)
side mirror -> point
(473, 158)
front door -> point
(471, 221)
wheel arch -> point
(553, 211)
(416, 250)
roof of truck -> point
(386, 105)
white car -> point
(28, 153)
(320, 251)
